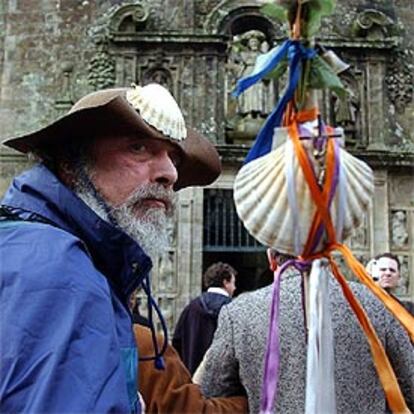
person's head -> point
(124, 152)
(220, 275)
(276, 258)
(253, 39)
(253, 43)
(387, 270)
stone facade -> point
(54, 51)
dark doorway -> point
(226, 240)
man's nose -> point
(164, 170)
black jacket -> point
(195, 328)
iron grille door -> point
(223, 231)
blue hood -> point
(114, 253)
(66, 333)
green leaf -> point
(313, 23)
(313, 11)
(278, 71)
(274, 11)
(321, 76)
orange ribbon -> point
(382, 364)
(321, 199)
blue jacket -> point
(66, 336)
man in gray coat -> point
(235, 360)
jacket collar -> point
(114, 253)
(218, 290)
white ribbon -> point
(320, 379)
(291, 193)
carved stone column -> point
(380, 233)
(375, 105)
(189, 245)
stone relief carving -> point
(127, 18)
(399, 229)
(401, 190)
(373, 24)
(172, 232)
(201, 10)
(131, 17)
(404, 285)
(400, 79)
(101, 67)
(346, 111)
(359, 238)
(166, 272)
(66, 98)
(158, 72)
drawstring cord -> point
(158, 357)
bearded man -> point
(76, 234)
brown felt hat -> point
(149, 112)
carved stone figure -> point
(346, 110)
(258, 100)
(360, 236)
(404, 285)
(399, 228)
(166, 271)
(400, 80)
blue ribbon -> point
(295, 53)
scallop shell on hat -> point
(263, 204)
(158, 108)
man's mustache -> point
(152, 191)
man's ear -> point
(272, 260)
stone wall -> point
(54, 51)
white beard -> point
(147, 226)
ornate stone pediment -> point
(129, 18)
(373, 24)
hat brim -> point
(200, 164)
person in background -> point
(235, 360)
(386, 272)
(198, 321)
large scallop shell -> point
(264, 202)
(158, 108)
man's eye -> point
(140, 148)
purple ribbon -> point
(272, 357)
